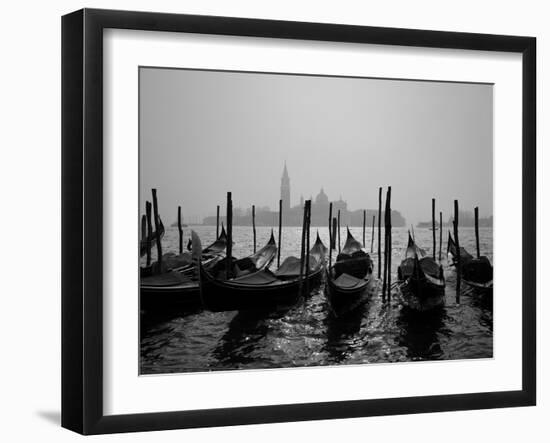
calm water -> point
(307, 335)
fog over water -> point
(203, 133)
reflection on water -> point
(421, 332)
(306, 334)
(343, 336)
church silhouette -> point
(293, 215)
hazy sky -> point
(204, 133)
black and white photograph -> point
(291, 220)
(281, 220)
(275, 221)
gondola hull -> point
(180, 288)
(422, 295)
(218, 295)
(421, 280)
(345, 300)
(477, 273)
(183, 296)
(348, 280)
(482, 288)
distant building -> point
(293, 215)
(466, 219)
(285, 190)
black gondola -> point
(180, 287)
(262, 290)
(451, 250)
(421, 279)
(349, 278)
(475, 272)
(183, 262)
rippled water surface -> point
(306, 335)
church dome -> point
(321, 198)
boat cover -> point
(427, 264)
(290, 267)
(347, 281)
(257, 278)
(167, 279)
(172, 260)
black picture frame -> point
(82, 220)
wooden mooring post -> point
(364, 225)
(254, 226)
(476, 217)
(303, 247)
(385, 272)
(149, 231)
(143, 228)
(458, 261)
(433, 228)
(180, 230)
(330, 240)
(379, 232)
(157, 230)
(440, 233)
(229, 246)
(308, 226)
(334, 227)
(390, 249)
(339, 243)
(280, 233)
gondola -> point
(210, 254)
(262, 290)
(183, 263)
(348, 279)
(475, 272)
(451, 250)
(153, 239)
(421, 279)
(179, 288)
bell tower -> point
(285, 189)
